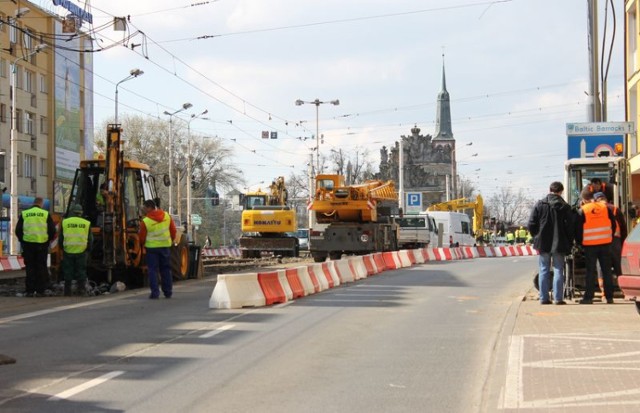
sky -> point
(517, 71)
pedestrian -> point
(207, 242)
(596, 185)
(595, 228)
(35, 230)
(551, 225)
(76, 240)
(157, 233)
(619, 235)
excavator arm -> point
(462, 204)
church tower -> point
(443, 139)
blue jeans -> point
(544, 276)
(158, 260)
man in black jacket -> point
(551, 225)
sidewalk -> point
(573, 358)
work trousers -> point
(595, 254)
(35, 263)
(74, 267)
(158, 261)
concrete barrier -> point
(295, 284)
(316, 272)
(329, 267)
(344, 270)
(271, 287)
(307, 282)
(237, 291)
(403, 256)
(357, 266)
(418, 255)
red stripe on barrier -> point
(314, 279)
(327, 273)
(378, 258)
(447, 254)
(412, 257)
(271, 287)
(482, 252)
(369, 265)
(389, 262)
(294, 282)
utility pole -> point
(595, 109)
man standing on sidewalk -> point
(551, 225)
(35, 230)
(596, 226)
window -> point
(3, 68)
(43, 83)
(3, 113)
(27, 39)
(20, 164)
(3, 159)
(13, 32)
(29, 166)
(29, 123)
(3, 27)
(19, 78)
(18, 120)
(28, 80)
(44, 125)
(43, 167)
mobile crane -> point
(359, 217)
(268, 223)
(115, 214)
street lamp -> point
(453, 171)
(132, 74)
(189, 170)
(13, 241)
(317, 102)
(185, 106)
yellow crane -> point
(462, 204)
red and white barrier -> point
(11, 263)
(344, 270)
(220, 252)
(403, 256)
(357, 266)
(237, 291)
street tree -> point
(510, 207)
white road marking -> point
(82, 387)
(218, 330)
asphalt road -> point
(412, 340)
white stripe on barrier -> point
(344, 270)
(357, 264)
(322, 279)
(284, 282)
(418, 255)
(237, 291)
(305, 280)
(405, 261)
(331, 266)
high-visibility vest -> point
(510, 236)
(75, 234)
(158, 235)
(597, 225)
(522, 233)
(35, 225)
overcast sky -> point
(517, 71)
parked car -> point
(303, 239)
(629, 281)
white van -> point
(456, 228)
(417, 231)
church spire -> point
(443, 111)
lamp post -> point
(13, 241)
(185, 106)
(189, 170)
(132, 74)
(454, 190)
(317, 102)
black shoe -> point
(559, 302)
(585, 301)
(153, 297)
(609, 300)
(545, 302)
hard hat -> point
(76, 209)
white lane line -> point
(513, 389)
(218, 330)
(82, 387)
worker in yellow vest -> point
(76, 240)
(157, 233)
(35, 230)
(510, 237)
(521, 235)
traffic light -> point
(215, 199)
(194, 184)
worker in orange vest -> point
(596, 226)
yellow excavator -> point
(268, 223)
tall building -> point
(53, 96)
(632, 77)
(429, 162)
